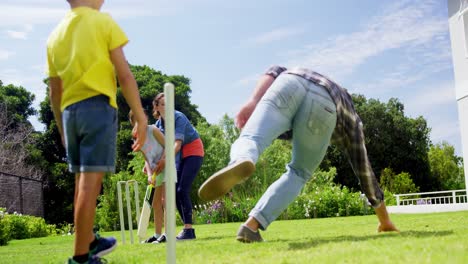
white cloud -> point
(275, 35)
(20, 34)
(35, 12)
(17, 34)
(11, 76)
(446, 130)
(5, 54)
(48, 12)
(432, 98)
(402, 25)
(248, 81)
(30, 15)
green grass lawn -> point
(424, 238)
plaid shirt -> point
(348, 134)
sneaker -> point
(104, 246)
(186, 234)
(91, 260)
(246, 235)
(161, 239)
(222, 181)
(151, 239)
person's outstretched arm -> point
(247, 109)
(261, 87)
(131, 95)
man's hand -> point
(387, 227)
(244, 114)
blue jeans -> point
(90, 130)
(186, 173)
(290, 103)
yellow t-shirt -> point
(78, 51)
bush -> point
(37, 227)
(4, 227)
(209, 213)
(107, 212)
(397, 183)
(328, 201)
(226, 210)
(17, 226)
(389, 198)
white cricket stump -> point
(170, 174)
(129, 208)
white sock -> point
(156, 235)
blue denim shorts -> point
(90, 130)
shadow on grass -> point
(316, 242)
(213, 238)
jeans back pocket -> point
(322, 117)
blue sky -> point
(380, 49)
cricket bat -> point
(145, 212)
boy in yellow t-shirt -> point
(84, 53)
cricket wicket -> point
(129, 209)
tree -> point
(446, 166)
(17, 146)
(217, 140)
(17, 104)
(397, 183)
(150, 83)
(59, 190)
(392, 140)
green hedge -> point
(327, 201)
(17, 226)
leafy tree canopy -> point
(446, 166)
(392, 140)
(18, 103)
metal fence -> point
(22, 195)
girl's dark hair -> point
(156, 99)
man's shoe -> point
(186, 234)
(104, 246)
(161, 239)
(246, 235)
(151, 239)
(222, 181)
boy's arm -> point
(131, 95)
(55, 95)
